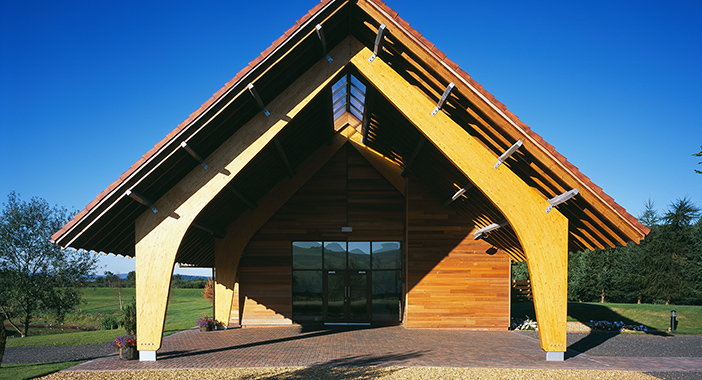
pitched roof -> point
(106, 224)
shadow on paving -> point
(584, 314)
(305, 333)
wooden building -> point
(352, 173)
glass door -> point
(346, 297)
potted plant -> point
(205, 323)
(126, 344)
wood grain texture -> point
(497, 115)
(454, 282)
(543, 236)
(158, 235)
(228, 250)
(346, 191)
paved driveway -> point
(383, 346)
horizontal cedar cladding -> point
(107, 223)
(596, 221)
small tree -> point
(35, 273)
(208, 293)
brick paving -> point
(295, 346)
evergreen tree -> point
(667, 253)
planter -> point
(206, 328)
(127, 353)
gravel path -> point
(403, 373)
(55, 354)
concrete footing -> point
(555, 356)
(147, 356)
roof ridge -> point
(514, 119)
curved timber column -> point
(158, 235)
(228, 250)
(543, 236)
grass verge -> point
(184, 307)
(655, 316)
(29, 371)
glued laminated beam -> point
(158, 236)
(228, 251)
(485, 106)
(520, 204)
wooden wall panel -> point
(347, 191)
(453, 282)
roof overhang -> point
(107, 223)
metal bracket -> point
(196, 156)
(508, 153)
(442, 101)
(379, 39)
(141, 199)
(558, 199)
(458, 194)
(320, 34)
(482, 233)
(254, 93)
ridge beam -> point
(379, 40)
(194, 154)
(284, 157)
(259, 101)
(443, 99)
(508, 153)
(141, 199)
(320, 34)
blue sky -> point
(87, 87)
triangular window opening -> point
(348, 95)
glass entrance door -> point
(346, 296)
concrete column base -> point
(147, 356)
(555, 356)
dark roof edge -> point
(183, 127)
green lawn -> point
(184, 307)
(30, 371)
(655, 316)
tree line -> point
(111, 280)
(666, 267)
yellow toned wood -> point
(497, 116)
(389, 169)
(159, 235)
(228, 250)
(543, 236)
